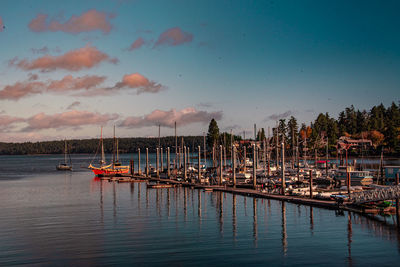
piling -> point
(185, 163)
(132, 166)
(244, 159)
(158, 162)
(234, 165)
(283, 169)
(168, 164)
(254, 166)
(162, 160)
(220, 165)
(397, 203)
(199, 165)
(147, 162)
(139, 171)
(311, 182)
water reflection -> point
(234, 216)
(312, 220)
(349, 238)
(255, 220)
(220, 203)
(284, 234)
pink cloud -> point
(21, 89)
(174, 36)
(69, 83)
(6, 122)
(74, 104)
(1, 24)
(91, 20)
(73, 118)
(140, 83)
(137, 44)
(65, 85)
(74, 60)
(168, 118)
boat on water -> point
(113, 169)
(65, 166)
(357, 177)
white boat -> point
(65, 166)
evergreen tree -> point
(213, 133)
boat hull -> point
(120, 170)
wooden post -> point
(224, 156)
(220, 165)
(168, 164)
(199, 165)
(283, 169)
(234, 165)
(157, 162)
(265, 156)
(162, 160)
(205, 149)
(139, 170)
(397, 203)
(132, 166)
(311, 182)
(184, 162)
(147, 162)
(254, 166)
(244, 159)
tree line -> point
(89, 146)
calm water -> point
(56, 218)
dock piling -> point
(139, 171)
(254, 166)
(311, 182)
(220, 165)
(168, 163)
(199, 165)
(185, 163)
(397, 203)
(234, 165)
(157, 162)
(147, 162)
(283, 169)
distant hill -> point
(125, 145)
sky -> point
(69, 67)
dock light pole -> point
(254, 166)
(244, 159)
(147, 162)
(220, 165)
(199, 162)
(139, 171)
(283, 169)
(234, 165)
(168, 164)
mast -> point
(103, 158)
(113, 162)
(65, 151)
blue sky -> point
(238, 61)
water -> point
(63, 218)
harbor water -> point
(72, 218)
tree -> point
(213, 133)
(292, 128)
(261, 134)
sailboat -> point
(113, 169)
(64, 166)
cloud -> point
(174, 36)
(42, 50)
(69, 83)
(205, 104)
(1, 24)
(168, 118)
(65, 85)
(275, 117)
(21, 89)
(73, 118)
(74, 104)
(138, 43)
(7, 122)
(140, 83)
(74, 60)
(91, 20)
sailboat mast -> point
(103, 158)
(65, 151)
(113, 163)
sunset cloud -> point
(140, 83)
(82, 58)
(1, 24)
(174, 36)
(279, 116)
(21, 89)
(65, 85)
(91, 20)
(6, 122)
(69, 83)
(74, 105)
(73, 118)
(168, 118)
(138, 43)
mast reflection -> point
(284, 234)
(349, 238)
(312, 220)
(234, 216)
(255, 220)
